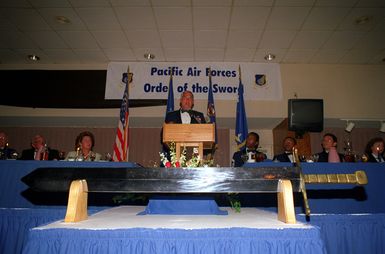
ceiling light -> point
(362, 20)
(62, 20)
(149, 56)
(349, 126)
(382, 128)
(33, 57)
(269, 57)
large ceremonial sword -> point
(282, 180)
(182, 180)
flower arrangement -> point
(194, 162)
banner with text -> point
(150, 80)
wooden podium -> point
(189, 135)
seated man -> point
(252, 143)
(287, 156)
(39, 150)
(5, 151)
(329, 140)
(185, 114)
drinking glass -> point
(108, 157)
(14, 156)
(314, 157)
(62, 155)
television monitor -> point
(305, 115)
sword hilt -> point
(359, 177)
(304, 195)
(302, 183)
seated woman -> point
(84, 143)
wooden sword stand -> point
(77, 202)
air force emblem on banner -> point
(260, 79)
(127, 78)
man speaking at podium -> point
(185, 114)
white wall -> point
(349, 91)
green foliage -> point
(234, 202)
(124, 198)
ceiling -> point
(100, 31)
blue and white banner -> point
(151, 80)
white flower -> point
(194, 162)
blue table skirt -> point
(16, 223)
(141, 240)
(351, 234)
(341, 233)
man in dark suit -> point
(329, 140)
(39, 150)
(252, 143)
(5, 151)
(287, 156)
(185, 114)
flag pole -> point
(212, 115)
(170, 95)
(211, 155)
(126, 136)
(170, 92)
(240, 74)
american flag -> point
(121, 140)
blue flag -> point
(170, 98)
(211, 107)
(241, 129)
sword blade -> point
(170, 180)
